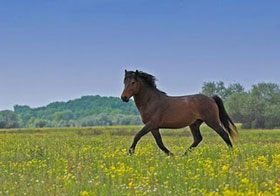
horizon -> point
(74, 98)
(57, 51)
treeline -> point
(258, 107)
(86, 111)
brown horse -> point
(161, 111)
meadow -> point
(94, 161)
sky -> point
(57, 50)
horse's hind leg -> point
(220, 130)
(159, 142)
(197, 138)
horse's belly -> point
(178, 117)
(176, 123)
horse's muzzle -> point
(125, 99)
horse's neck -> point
(145, 98)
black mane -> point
(148, 79)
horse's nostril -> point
(125, 98)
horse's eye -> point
(133, 83)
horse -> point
(160, 111)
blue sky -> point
(56, 50)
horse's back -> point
(193, 99)
(182, 111)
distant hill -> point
(85, 111)
(258, 107)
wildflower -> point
(84, 193)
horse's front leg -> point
(159, 142)
(146, 129)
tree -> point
(235, 88)
(263, 97)
(272, 116)
(86, 111)
(8, 119)
(259, 108)
(65, 115)
(214, 88)
(237, 106)
(218, 88)
(266, 92)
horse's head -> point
(131, 85)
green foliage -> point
(86, 111)
(8, 119)
(257, 108)
(218, 88)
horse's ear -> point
(125, 71)
(136, 73)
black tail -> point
(224, 117)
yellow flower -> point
(212, 194)
(84, 193)
(245, 181)
(277, 188)
(130, 185)
(225, 168)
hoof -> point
(131, 151)
(170, 154)
(190, 150)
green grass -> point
(94, 161)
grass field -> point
(94, 161)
